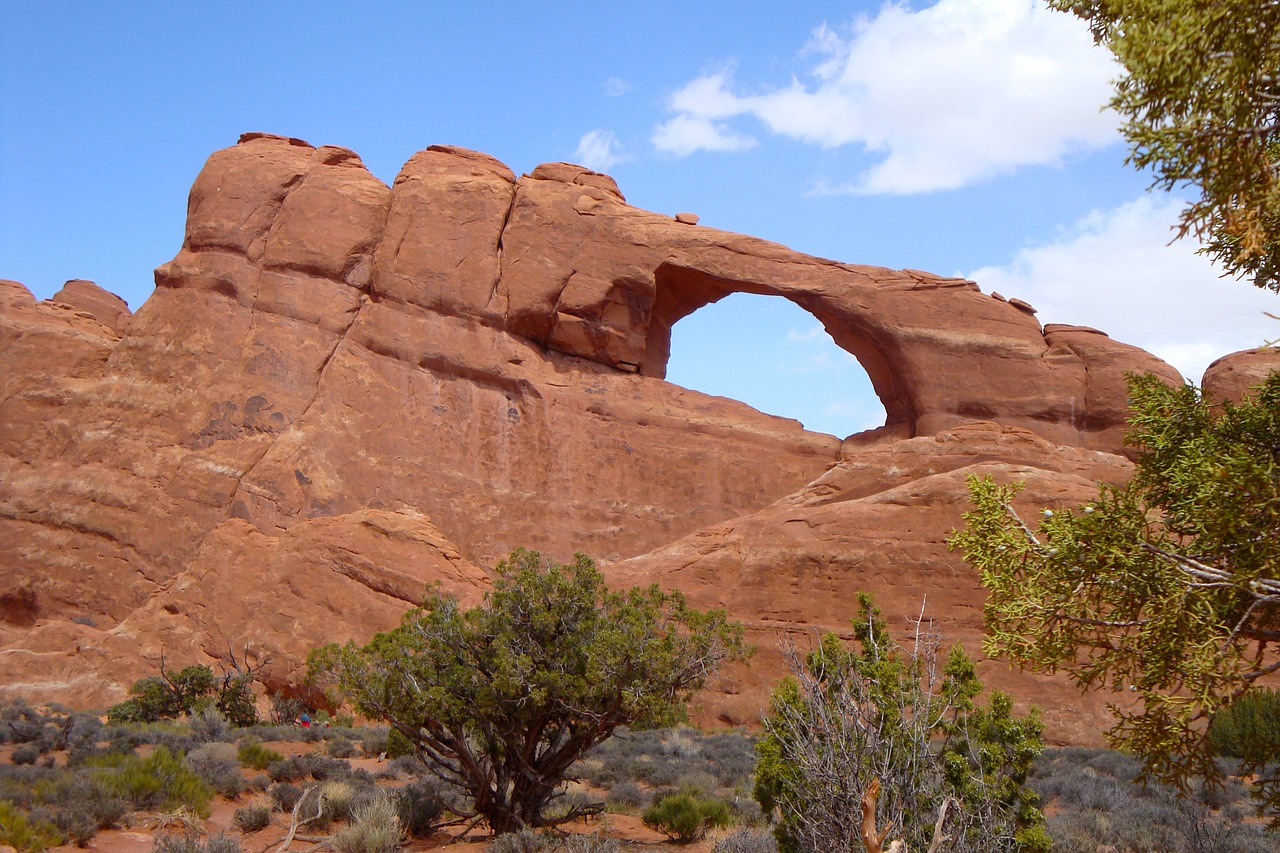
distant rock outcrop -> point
(341, 392)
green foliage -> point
(1165, 588)
(158, 781)
(686, 816)
(1200, 99)
(190, 689)
(500, 700)
(255, 756)
(1249, 728)
(398, 745)
(22, 833)
(875, 722)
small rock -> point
(1022, 306)
(688, 218)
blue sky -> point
(963, 137)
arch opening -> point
(771, 354)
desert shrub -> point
(375, 828)
(419, 805)
(340, 747)
(187, 691)
(255, 756)
(77, 825)
(24, 834)
(406, 765)
(285, 709)
(1249, 728)
(339, 797)
(189, 842)
(669, 757)
(159, 780)
(81, 805)
(253, 818)
(25, 754)
(589, 844)
(627, 796)
(522, 841)
(300, 766)
(219, 765)
(208, 724)
(1096, 803)
(686, 816)
(747, 841)
(373, 740)
(398, 745)
(284, 795)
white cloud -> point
(1115, 270)
(599, 150)
(951, 94)
(616, 87)
(688, 133)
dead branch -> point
(295, 823)
(871, 839)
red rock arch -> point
(681, 290)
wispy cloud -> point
(949, 95)
(599, 150)
(616, 87)
(1117, 271)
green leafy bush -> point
(187, 691)
(686, 817)
(255, 756)
(160, 780)
(1249, 728)
(24, 834)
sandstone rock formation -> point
(1234, 376)
(342, 391)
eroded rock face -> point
(1235, 376)
(342, 391)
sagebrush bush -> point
(285, 795)
(340, 747)
(23, 833)
(420, 806)
(590, 844)
(253, 818)
(628, 796)
(375, 828)
(747, 841)
(686, 816)
(28, 753)
(189, 842)
(1095, 803)
(218, 764)
(524, 841)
